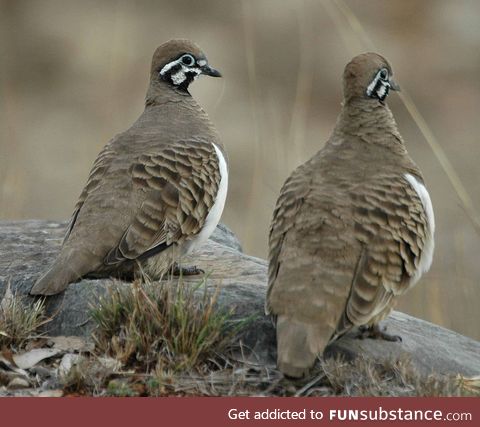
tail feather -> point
(298, 345)
(65, 270)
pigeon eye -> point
(188, 60)
(383, 74)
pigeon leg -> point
(193, 270)
(376, 332)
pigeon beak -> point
(394, 85)
(209, 71)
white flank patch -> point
(427, 253)
(215, 213)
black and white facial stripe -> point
(380, 85)
(182, 71)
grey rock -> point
(224, 236)
(28, 247)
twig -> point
(310, 385)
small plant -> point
(19, 319)
(118, 388)
(171, 323)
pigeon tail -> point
(66, 269)
(298, 345)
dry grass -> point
(19, 320)
(469, 386)
(172, 324)
(395, 378)
(333, 377)
(154, 334)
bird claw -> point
(187, 271)
(375, 332)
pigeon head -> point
(179, 62)
(368, 75)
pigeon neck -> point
(370, 120)
(160, 92)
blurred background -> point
(74, 73)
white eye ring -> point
(187, 60)
(383, 73)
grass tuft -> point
(470, 386)
(363, 377)
(19, 319)
(172, 324)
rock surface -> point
(28, 247)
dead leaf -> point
(72, 343)
(67, 363)
(8, 364)
(110, 363)
(36, 343)
(18, 383)
(30, 358)
(50, 393)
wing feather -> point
(179, 186)
(292, 196)
(99, 169)
(391, 223)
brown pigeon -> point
(352, 229)
(156, 191)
